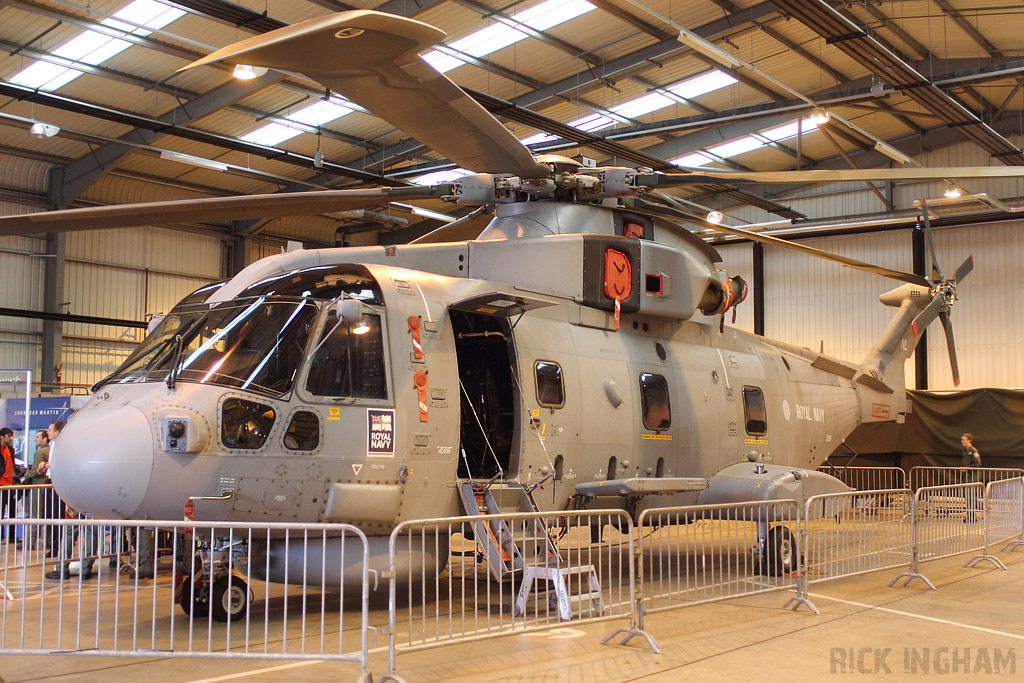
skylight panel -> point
(695, 159)
(497, 36)
(788, 130)
(741, 146)
(440, 177)
(702, 85)
(589, 124)
(643, 105)
(538, 138)
(316, 114)
(93, 47)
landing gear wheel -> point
(780, 555)
(229, 599)
(195, 598)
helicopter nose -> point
(102, 462)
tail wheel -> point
(780, 552)
(229, 599)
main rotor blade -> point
(966, 267)
(373, 59)
(936, 270)
(951, 347)
(211, 209)
(844, 175)
(466, 228)
(820, 253)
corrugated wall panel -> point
(988, 319)
(812, 302)
(86, 362)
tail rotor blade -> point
(966, 267)
(951, 347)
(925, 317)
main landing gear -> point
(212, 588)
(777, 550)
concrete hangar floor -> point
(969, 628)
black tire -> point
(229, 599)
(195, 598)
(780, 552)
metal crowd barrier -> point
(265, 590)
(1004, 518)
(695, 554)
(38, 502)
(867, 478)
(853, 533)
(947, 521)
(921, 477)
(466, 578)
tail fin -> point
(883, 369)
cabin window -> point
(349, 360)
(550, 389)
(559, 467)
(754, 412)
(654, 401)
(303, 433)
(245, 424)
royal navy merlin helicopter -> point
(577, 341)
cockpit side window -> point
(754, 413)
(654, 401)
(349, 360)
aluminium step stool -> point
(556, 575)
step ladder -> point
(506, 549)
(561, 577)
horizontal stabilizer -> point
(834, 367)
(872, 382)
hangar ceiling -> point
(611, 80)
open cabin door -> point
(489, 399)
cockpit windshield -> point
(253, 344)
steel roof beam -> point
(852, 39)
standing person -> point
(38, 499)
(89, 534)
(8, 499)
(970, 458)
(54, 507)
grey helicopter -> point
(577, 341)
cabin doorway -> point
(486, 393)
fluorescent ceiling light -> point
(423, 213)
(497, 36)
(194, 161)
(708, 49)
(92, 47)
(893, 153)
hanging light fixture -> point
(818, 116)
(361, 327)
(714, 217)
(43, 130)
(953, 191)
(246, 72)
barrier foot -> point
(797, 601)
(1013, 545)
(393, 678)
(973, 562)
(365, 677)
(631, 633)
(910, 577)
